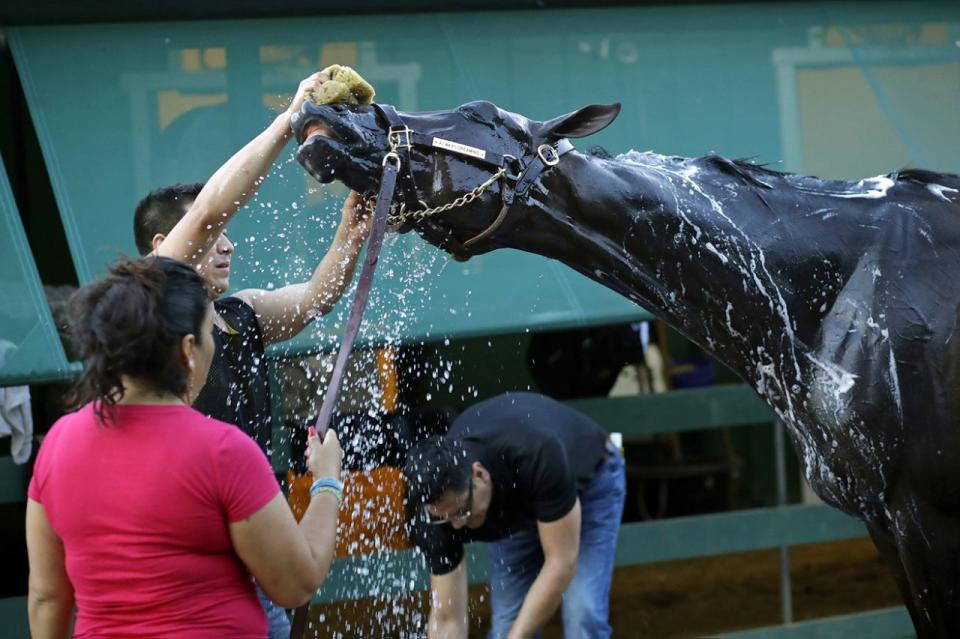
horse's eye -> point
(479, 113)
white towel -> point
(16, 421)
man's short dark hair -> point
(160, 211)
(433, 467)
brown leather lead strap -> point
(490, 229)
(388, 181)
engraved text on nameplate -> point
(456, 147)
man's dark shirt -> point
(540, 455)
(238, 388)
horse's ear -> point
(582, 122)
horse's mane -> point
(744, 169)
(756, 175)
(751, 173)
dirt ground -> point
(687, 598)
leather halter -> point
(402, 139)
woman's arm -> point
(290, 561)
(50, 596)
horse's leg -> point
(928, 541)
(885, 544)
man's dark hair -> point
(160, 211)
(433, 467)
(131, 323)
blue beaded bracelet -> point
(332, 491)
(329, 482)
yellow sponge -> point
(345, 86)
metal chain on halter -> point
(463, 200)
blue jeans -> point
(279, 623)
(515, 561)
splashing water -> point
(289, 241)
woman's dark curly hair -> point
(131, 323)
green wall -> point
(841, 89)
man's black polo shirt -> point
(540, 455)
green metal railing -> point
(393, 573)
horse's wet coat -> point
(837, 301)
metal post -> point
(786, 596)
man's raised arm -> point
(231, 186)
(284, 312)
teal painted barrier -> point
(401, 572)
(827, 88)
(703, 408)
(29, 347)
(13, 481)
(13, 613)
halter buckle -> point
(548, 154)
(399, 137)
(514, 169)
(391, 156)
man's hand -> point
(356, 218)
(448, 607)
(306, 85)
(560, 541)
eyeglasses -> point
(460, 516)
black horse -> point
(836, 301)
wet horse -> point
(836, 301)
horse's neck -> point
(685, 243)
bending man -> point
(544, 484)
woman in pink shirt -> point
(146, 514)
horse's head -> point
(450, 155)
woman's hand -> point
(324, 457)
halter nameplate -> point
(457, 147)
